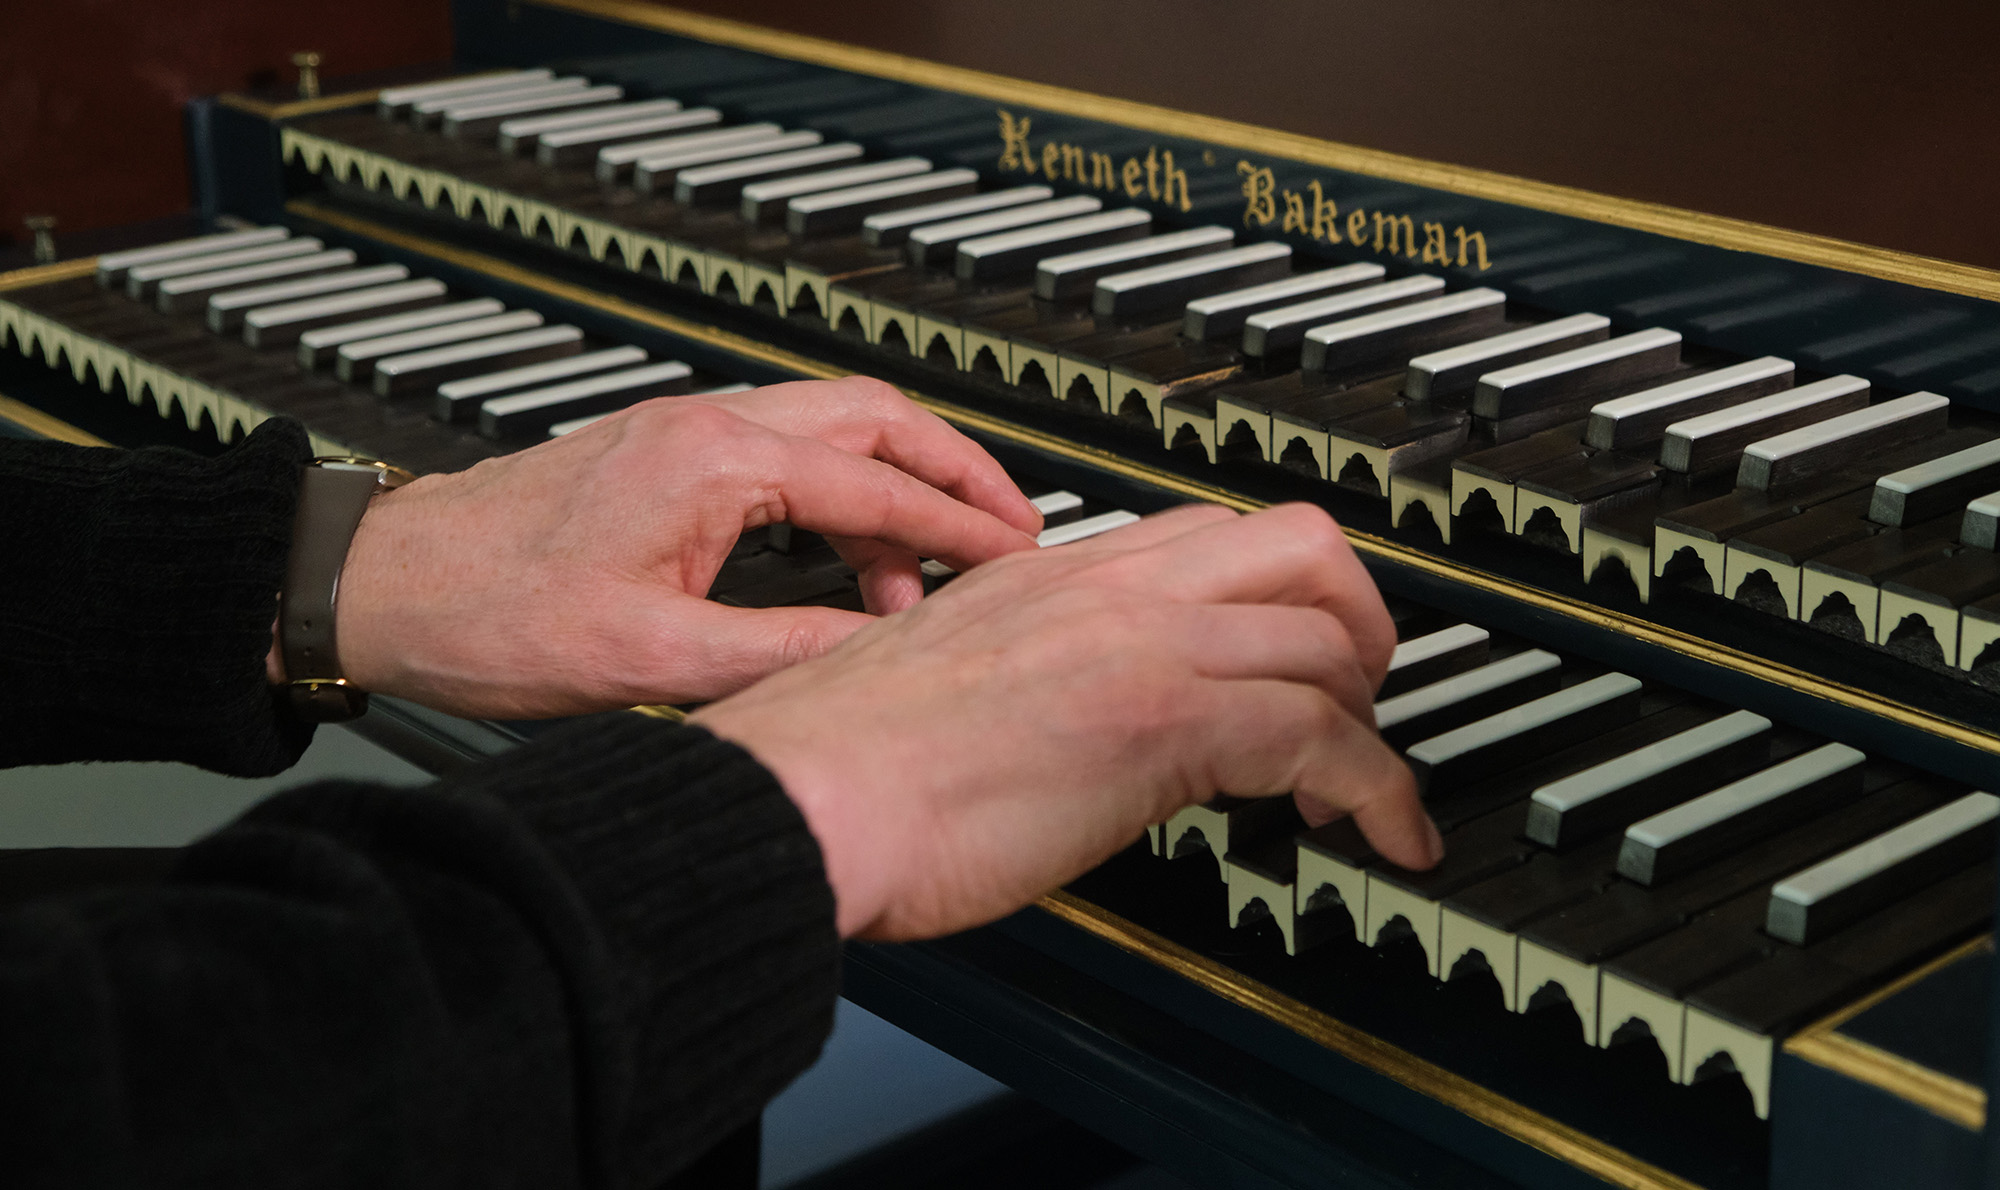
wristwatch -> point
(333, 493)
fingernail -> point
(1437, 841)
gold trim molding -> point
(1505, 1116)
(1822, 1044)
(266, 110)
(47, 274)
(1716, 231)
(1369, 544)
(30, 418)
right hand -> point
(959, 759)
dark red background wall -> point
(1852, 118)
(91, 90)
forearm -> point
(577, 967)
(137, 615)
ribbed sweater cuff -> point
(713, 901)
(143, 632)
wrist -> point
(853, 865)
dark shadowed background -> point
(1850, 118)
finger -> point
(1246, 642)
(890, 578)
(713, 650)
(1270, 737)
(873, 419)
(826, 490)
(1291, 554)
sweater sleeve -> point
(141, 589)
(577, 967)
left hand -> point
(571, 577)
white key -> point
(399, 375)
(1526, 387)
(484, 119)
(1387, 334)
(1269, 332)
(575, 146)
(1434, 657)
(760, 199)
(1644, 416)
(523, 132)
(282, 323)
(317, 346)
(140, 279)
(357, 358)
(1440, 374)
(391, 100)
(1392, 713)
(1715, 438)
(1981, 525)
(226, 309)
(1515, 735)
(1677, 840)
(658, 173)
(1564, 810)
(1168, 287)
(1835, 892)
(1073, 274)
(1826, 444)
(1051, 503)
(457, 398)
(1090, 526)
(112, 266)
(845, 209)
(1223, 314)
(540, 408)
(727, 180)
(886, 229)
(437, 106)
(986, 256)
(934, 243)
(577, 423)
(1931, 488)
(179, 293)
(614, 161)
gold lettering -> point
(1402, 234)
(1326, 215)
(1477, 237)
(1103, 175)
(1260, 204)
(1295, 213)
(1051, 159)
(1435, 251)
(1172, 177)
(1014, 151)
(1072, 163)
(1357, 226)
(1153, 173)
(1133, 186)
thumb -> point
(738, 646)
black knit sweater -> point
(579, 968)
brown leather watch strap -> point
(333, 495)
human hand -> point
(570, 577)
(1028, 721)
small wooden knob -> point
(43, 227)
(308, 63)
